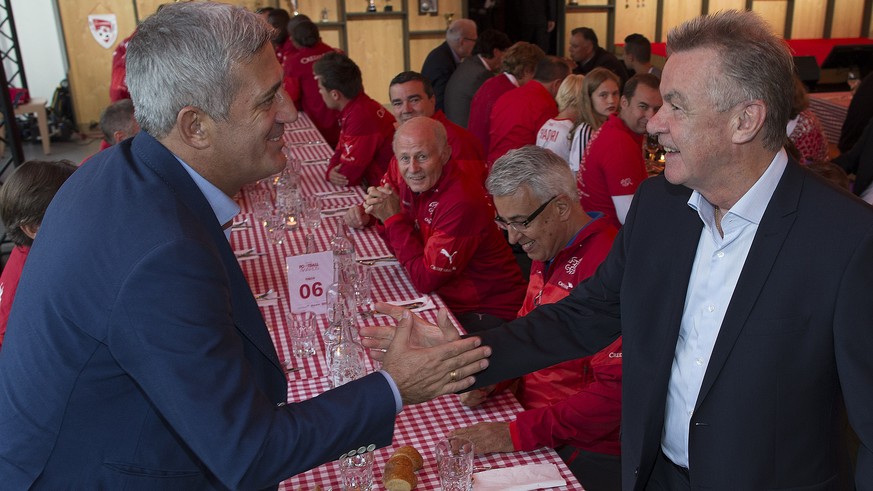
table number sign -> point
(309, 276)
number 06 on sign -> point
(309, 275)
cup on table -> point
(262, 204)
(303, 334)
(454, 456)
(275, 225)
(363, 286)
(356, 472)
(311, 213)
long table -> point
(421, 425)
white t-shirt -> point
(581, 139)
(555, 136)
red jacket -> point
(517, 117)
(483, 101)
(285, 51)
(448, 243)
(117, 84)
(364, 148)
(577, 402)
(613, 165)
(302, 87)
(466, 149)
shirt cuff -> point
(513, 433)
(398, 401)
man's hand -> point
(356, 218)
(476, 396)
(487, 437)
(423, 373)
(335, 177)
(382, 202)
(424, 334)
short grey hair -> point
(458, 28)
(755, 64)
(541, 170)
(118, 116)
(186, 55)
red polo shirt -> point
(517, 117)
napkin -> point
(267, 300)
(518, 478)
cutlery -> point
(264, 295)
(301, 144)
(250, 253)
(337, 193)
(370, 262)
(334, 211)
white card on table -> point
(309, 276)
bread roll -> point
(399, 474)
(412, 454)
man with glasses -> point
(441, 62)
(574, 406)
(440, 227)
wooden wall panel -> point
(376, 45)
(419, 48)
(313, 9)
(676, 13)
(331, 36)
(847, 19)
(809, 17)
(91, 63)
(637, 17)
(429, 22)
(717, 5)
(773, 11)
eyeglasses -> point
(471, 40)
(524, 224)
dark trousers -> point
(595, 471)
(667, 476)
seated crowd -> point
(490, 148)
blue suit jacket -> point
(794, 345)
(137, 358)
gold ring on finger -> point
(453, 375)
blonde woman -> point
(600, 98)
(557, 133)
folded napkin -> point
(518, 478)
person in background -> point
(860, 113)
(411, 95)
(300, 80)
(859, 161)
(282, 45)
(136, 355)
(118, 123)
(588, 55)
(574, 406)
(613, 167)
(600, 99)
(556, 134)
(442, 61)
(440, 226)
(531, 21)
(804, 129)
(519, 65)
(518, 114)
(24, 198)
(638, 55)
(472, 73)
(366, 128)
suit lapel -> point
(775, 225)
(246, 315)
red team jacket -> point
(577, 402)
(447, 242)
(364, 148)
(302, 87)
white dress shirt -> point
(717, 267)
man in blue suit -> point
(740, 283)
(136, 356)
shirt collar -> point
(511, 78)
(751, 206)
(484, 63)
(224, 207)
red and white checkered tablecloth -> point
(421, 425)
(830, 108)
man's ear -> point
(563, 204)
(748, 121)
(195, 127)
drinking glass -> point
(357, 472)
(311, 214)
(454, 456)
(275, 225)
(363, 286)
(304, 337)
(262, 204)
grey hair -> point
(457, 29)
(541, 170)
(186, 55)
(755, 64)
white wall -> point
(41, 43)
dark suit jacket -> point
(795, 342)
(859, 160)
(137, 357)
(438, 67)
(462, 86)
(605, 59)
(860, 113)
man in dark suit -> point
(442, 61)
(588, 55)
(136, 355)
(740, 284)
(858, 160)
(472, 73)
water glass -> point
(346, 362)
(363, 286)
(275, 225)
(357, 472)
(454, 456)
(310, 215)
(262, 204)
(304, 336)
